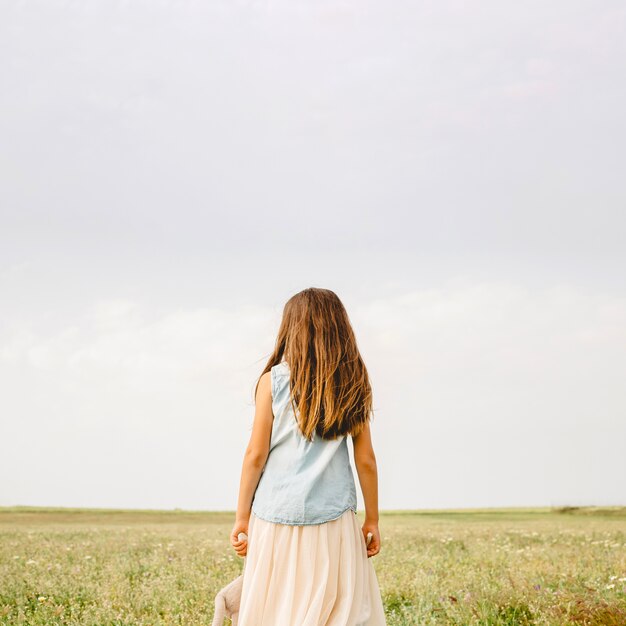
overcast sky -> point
(172, 172)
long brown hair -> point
(330, 390)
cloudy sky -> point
(172, 172)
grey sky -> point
(172, 172)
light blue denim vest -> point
(303, 482)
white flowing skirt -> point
(309, 575)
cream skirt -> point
(309, 575)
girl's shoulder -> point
(278, 374)
(280, 369)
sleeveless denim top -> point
(302, 482)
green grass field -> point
(482, 567)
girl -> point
(307, 562)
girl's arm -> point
(258, 447)
(365, 461)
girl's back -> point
(303, 482)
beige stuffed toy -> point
(228, 599)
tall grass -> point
(490, 568)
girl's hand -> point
(373, 547)
(240, 545)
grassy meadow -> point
(484, 567)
